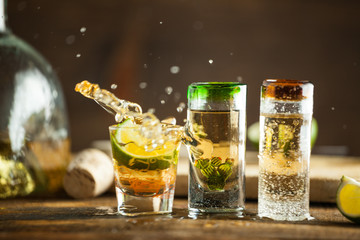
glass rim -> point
(217, 84)
(115, 127)
(284, 81)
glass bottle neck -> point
(3, 15)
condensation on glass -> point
(284, 153)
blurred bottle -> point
(34, 134)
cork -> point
(89, 174)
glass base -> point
(227, 213)
(284, 210)
(132, 206)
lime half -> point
(348, 198)
(128, 148)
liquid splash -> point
(155, 132)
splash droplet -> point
(161, 22)
(162, 101)
(239, 78)
(70, 39)
(168, 90)
(83, 29)
(183, 105)
(145, 65)
(231, 54)
(174, 69)
(113, 86)
(143, 85)
(333, 108)
(211, 61)
(151, 110)
(78, 55)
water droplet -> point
(231, 54)
(344, 126)
(143, 85)
(174, 69)
(151, 110)
(183, 105)
(78, 55)
(83, 29)
(161, 22)
(21, 6)
(177, 96)
(184, 120)
(145, 65)
(168, 90)
(211, 61)
(162, 101)
(113, 86)
(70, 39)
(332, 108)
(239, 78)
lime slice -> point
(128, 149)
(348, 198)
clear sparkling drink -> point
(215, 138)
(285, 125)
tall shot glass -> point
(215, 137)
(284, 153)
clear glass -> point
(215, 138)
(284, 153)
(34, 133)
(144, 180)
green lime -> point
(254, 134)
(128, 149)
(348, 198)
(314, 131)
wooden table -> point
(65, 218)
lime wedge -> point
(128, 149)
(348, 198)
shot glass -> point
(284, 153)
(215, 137)
(144, 179)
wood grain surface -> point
(64, 218)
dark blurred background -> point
(147, 46)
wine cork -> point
(89, 174)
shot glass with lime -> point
(145, 154)
(144, 174)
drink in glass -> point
(145, 154)
(284, 152)
(215, 138)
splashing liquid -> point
(145, 153)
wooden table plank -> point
(96, 218)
